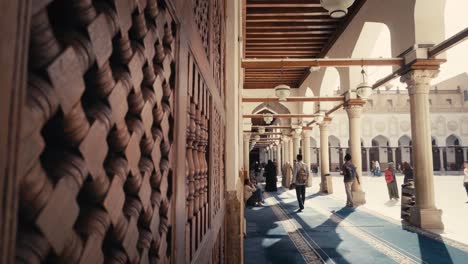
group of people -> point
(252, 191)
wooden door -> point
(119, 152)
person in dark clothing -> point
(408, 172)
(349, 173)
(271, 179)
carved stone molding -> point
(418, 81)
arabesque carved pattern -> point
(201, 15)
(98, 133)
(218, 44)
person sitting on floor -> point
(252, 195)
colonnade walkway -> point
(327, 232)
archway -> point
(380, 150)
(314, 153)
(336, 155)
(404, 150)
(454, 153)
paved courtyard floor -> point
(450, 196)
(328, 232)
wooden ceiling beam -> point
(294, 99)
(279, 127)
(292, 19)
(292, 33)
(283, 44)
(265, 85)
(284, 63)
(285, 4)
(281, 115)
(285, 11)
(285, 52)
(290, 38)
(286, 28)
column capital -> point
(418, 81)
(246, 136)
(325, 123)
(296, 135)
(354, 107)
(306, 133)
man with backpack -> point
(349, 173)
(300, 176)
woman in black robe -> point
(270, 171)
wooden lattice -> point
(98, 132)
(201, 15)
(218, 44)
(197, 156)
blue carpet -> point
(346, 236)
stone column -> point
(278, 159)
(246, 155)
(441, 156)
(325, 184)
(394, 155)
(296, 142)
(354, 109)
(291, 152)
(369, 165)
(306, 153)
(424, 214)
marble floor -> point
(450, 196)
(327, 232)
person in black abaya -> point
(270, 171)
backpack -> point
(388, 176)
(350, 173)
(302, 174)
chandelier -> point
(337, 8)
(268, 118)
(364, 90)
(282, 91)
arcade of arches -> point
(130, 127)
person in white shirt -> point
(465, 178)
(300, 177)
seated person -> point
(252, 195)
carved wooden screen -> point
(96, 159)
(112, 94)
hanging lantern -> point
(261, 130)
(319, 118)
(257, 138)
(268, 118)
(337, 8)
(364, 90)
(282, 91)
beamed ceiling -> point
(276, 29)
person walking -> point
(271, 179)
(349, 175)
(391, 182)
(300, 177)
(465, 179)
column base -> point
(327, 185)
(309, 181)
(359, 197)
(427, 218)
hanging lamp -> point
(282, 91)
(364, 90)
(337, 8)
